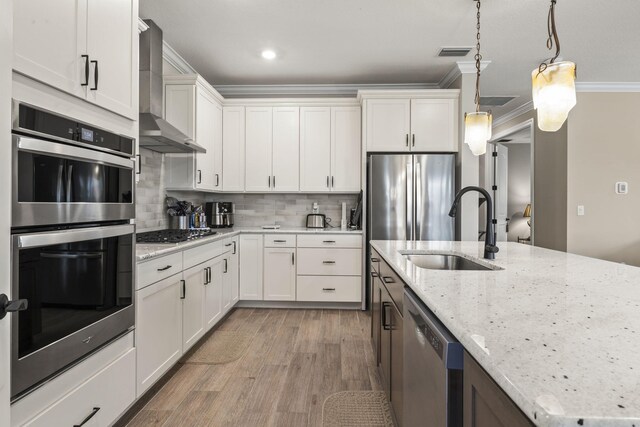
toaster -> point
(316, 221)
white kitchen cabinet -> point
(315, 149)
(388, 124)
(286, 149)
(86, 48)
(259, 147)
(434, 125)
(193, 294)
(233, 153)
(345, 149)
(279, 274)
(213, 291)
(251, 267)
(193, 106)
(230, 278)
(158, 330)
(420, 121)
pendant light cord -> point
(478, 57)
(552, 38)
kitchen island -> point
(559, 333)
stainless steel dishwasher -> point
(433, 361)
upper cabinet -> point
(86, 48)
(259, 146)
(233, 153)
(330, 156)
(420, 121)
(194, 107)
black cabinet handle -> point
(375, 259)
(139, 164)
(274, 181)
(7, 306)
(184, 289)
(328, 262)
(327, 181)
(332, 185)
(164, 268)
(95, 75)
(227, 245)
(279, 241)
(91, 415)
(374, 274)
(328, 241)
(293, 258)
(217, 180)
(86, 71)
(328, 289)
(234, 247)
(385, 326)
(413, 140)
(269, 181)
(199, 176)
(387, 279)
(226, 265)
(407, 140)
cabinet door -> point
(213, 292)
(251, 267)
(345, 149)
(279, 274)
(230, 278)
(218, 172)
(258, 143)
(192, 306)
(49, 39)
(396, 362)
(233, 149)
(434, 125)
(233, 273)
(158, 330)
(386, 306)
(207, 129)
(315, 149)
(286, 149)
(180, 108)
(112, 40)
(388, 124)
(376, 321)
(485, 404)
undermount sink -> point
(446, 262)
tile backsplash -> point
(287, 210)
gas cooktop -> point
(173, 236)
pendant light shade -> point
(477, 131)
(554, 94)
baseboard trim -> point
(301, 305)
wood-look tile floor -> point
(296, 359)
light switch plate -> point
(580, 210)
(622, 187)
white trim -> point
(518, 111)
(607, 87)
(301, 102)
(193, 79)
(177, 61)
(461, 67)
(422, 93)
(311, 90)
(142, 26)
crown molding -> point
(607, 87)
(177, 61)
(312, 90)
(461, 67)
(518, 111)
(142, 26)
(292, 102)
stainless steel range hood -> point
(155, 132)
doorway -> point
(506, 172)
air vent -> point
(495, 101)
(454, 51)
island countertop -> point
(559, 333)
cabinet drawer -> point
(329, 241)
(329, 262)
(280, 241)
(157, 269)
(329, 288)
(200, 254)
(106, 395)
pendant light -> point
(553, 83)
(477, 125)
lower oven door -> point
(79, 286)
(55, 183)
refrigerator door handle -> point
(410, 200)
(418, 203)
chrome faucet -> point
(490, 247)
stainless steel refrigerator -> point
(409, 197)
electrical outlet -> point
(580, 210)
(622, 188)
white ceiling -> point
(387, 41)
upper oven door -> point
(54, 183)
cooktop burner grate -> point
(173, 236)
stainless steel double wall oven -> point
(73, 238)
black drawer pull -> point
(328, 262)
(165, 268)
(95, 75)
(328, 289)
(91, 415)
(375, 259)
(279, 241)
(387, 279)
(86, 70)
(374, 274)
(184, 289)
(328, 241)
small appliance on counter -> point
(220, 214)
(316, 220)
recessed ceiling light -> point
(268, 54)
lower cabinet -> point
(484, 402)
(251, 266)
(158, 330)
(193, 295)
(213, 290)
(279, 274)
(230, 276)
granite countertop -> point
(560, 333)
(147, 251)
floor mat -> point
(357, 408)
